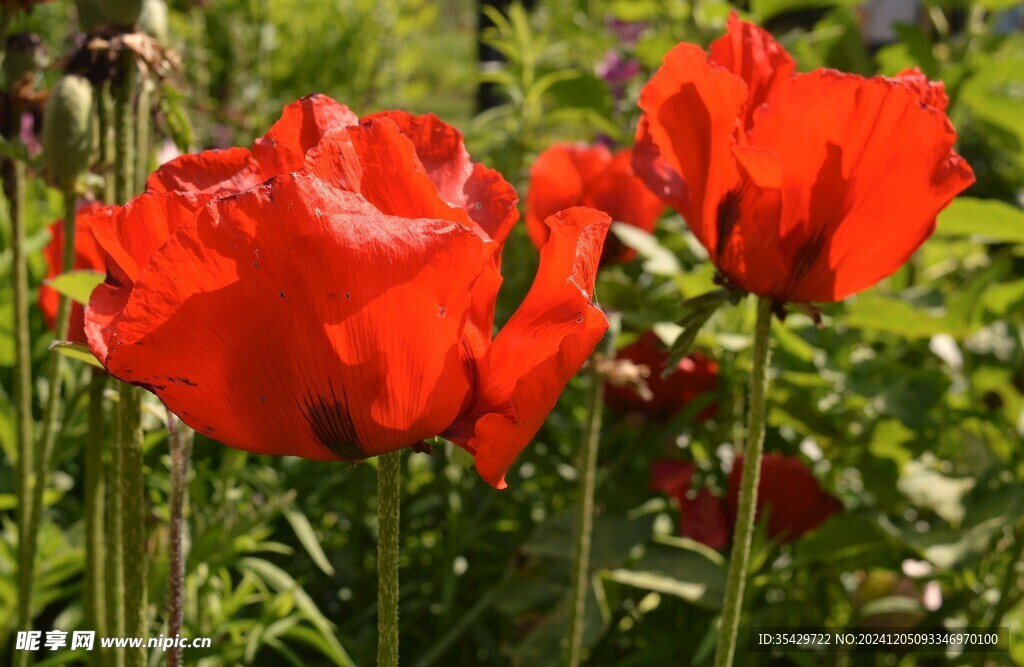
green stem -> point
(124, 153)
(51, 425)
(744, 529)
(585, 505)
(105, 161)
(389, 487)
(115, 545)
(134, 516)
(180, 441)
(95, 492)
(142, 134)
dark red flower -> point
(701, 513)
(88, 256)
(345, 308)
(790, 494)
(694, 375)
(803, 187)
(568, 175)
(794, 500)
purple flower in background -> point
(617, 72)
(626, 32)
(28, 135)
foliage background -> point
(908, 403)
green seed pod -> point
(68, 132)
(121, 12)
(154, 20)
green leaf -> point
(76, 285)
(307, 536)
(995, 221)
(696, 313)
(75, 351)
(658, 260)
(881, 313)
(679, 567)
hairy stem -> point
(95, 496)
(389, 481)
(180, 441)
(51, 426)
(739, 558)
(587, 466)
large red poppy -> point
(802, 187)
(693, 376)
(568, 175)
(794, 501)
(88, 257)
(343, 309)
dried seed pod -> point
(68, 131)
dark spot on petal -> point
(347, 295)
(442, 311)
(255, 265)
(281, 293)
(726, 217)
(331, 422)
(263, 399)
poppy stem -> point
(587, 466)
(389, 480)
(739, 559)
(15, 192)
(131, 499)
(180, 440)
(95, 492)
(37, 481)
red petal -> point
(301, 126)
(694, 375)
(129, 235)
(216, 172)
(703, 519)
(618, 191)
(932, 93)
(752, 54)
(672, 477)
(541, 347)
(789, 492)
(684, 141)
(866, 167)
(486, 196)
(296, 319)
(558, 180)
(88, 256)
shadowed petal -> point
(541, 347)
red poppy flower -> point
(88, 256)
(795, 501)
(568, 175)
(796, 504)
(344, 309)
(702, 514)
(803, 187)
(693, 376)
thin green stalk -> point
(142, 134)
(573, 655)
(95, 497)
(389, 481)
(449, 638)
(739, 558)
(124, 149)
(37, 481)
(105, 161)
(180, 441)
(115, 546)
(134, 515)
(22, 354)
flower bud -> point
(153, 20)
(68, 131)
